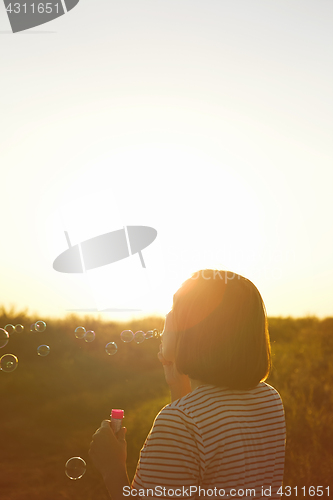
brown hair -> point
(222, 330)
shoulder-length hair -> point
(222, 330)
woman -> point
(223, 435)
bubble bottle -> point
(116, 420)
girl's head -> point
(218, 331)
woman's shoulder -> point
(182, 409)
(187, 406)
(269, 390)
(205, 395)
(175, 418)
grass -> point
(50, 407)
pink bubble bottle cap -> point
(119, 414)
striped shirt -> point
(230, 440)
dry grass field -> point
(50, 406)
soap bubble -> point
(19, 328)
(149, 334)
(75, 468)
(89, 336)
(33, 327)
(10, 329)
(80, 332)
(156, 333)
(40, 326)
(43, 350)
(8, 363)
(127, 336)
(4, 338)
(139, 337)
(111, 348)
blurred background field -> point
(50, 406)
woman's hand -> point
(108, 453)
(178, 382)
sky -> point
(210, 121)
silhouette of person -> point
(223, 434)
